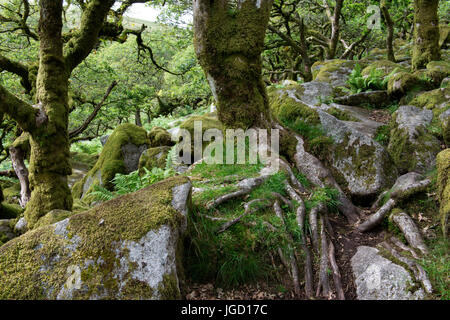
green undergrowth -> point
(247, 251)
(128, 183)
(437, 266)
(317, 142)
(373, 81)
(382, 135)
(244, 252)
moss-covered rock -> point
(53, 217)
(120, 155)
(12, 194)
(444, 120)
(437, 71)
(153, 157)
(384, 67)
(404, 82)
(358, 161)
(207, 121)
(443, 183)
(436, 100)
(411, 146)
(159, 137)
(286, 105)
(6, 233)
(8, 210)
(334, 72)
(126, 248)
(341, 114)
(378, 98)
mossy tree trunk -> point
(426, 33)
(229, 39)
(390, 28)
(47, 121)
(49, 141)
(335, 26)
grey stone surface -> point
(363, 162)
(131, 154)
(144, 267)
(315, 92)
(21, 225)
(417, 144)
(377, 278)
(374, 98)
(103, 139)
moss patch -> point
(53, 217)
(287, 109)
(36, 265)
(443, 183)
(159, 137)
(10, 211)
(153, 157)
(384, 66)
(111, 160)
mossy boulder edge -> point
(126, 248)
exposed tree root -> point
(246, 186)
(323, 272)
(319, 175)
(376, 205)
(248, 211)
(418, 271)
(411, 189)
(295, 183)
(410, 230)
(300, 217)
(284, 200)
(404, 247)
(292, 260)
(375, 219)
(336, 272)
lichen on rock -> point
(335, 72)
(126, 248)
(362, 162)
(378, 278)
(411, 146)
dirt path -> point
(347, 240)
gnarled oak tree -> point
(229, 39)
